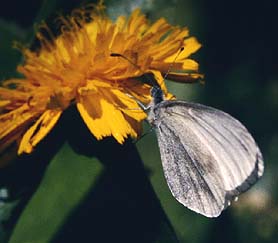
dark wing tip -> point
(254, 176)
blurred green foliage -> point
(76, 189)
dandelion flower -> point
(76, 68)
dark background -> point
(75, 191)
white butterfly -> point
(208, 157)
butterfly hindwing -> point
(208, 156)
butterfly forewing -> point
(208, 156)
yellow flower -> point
(77, 68)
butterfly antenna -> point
(150, 80)
(172, 64)
(126, 58)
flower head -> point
(77, 68)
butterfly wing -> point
(208, 157)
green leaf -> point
(67, 180)
(91, 190)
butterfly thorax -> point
(157, 95)
(157, 98)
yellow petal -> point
(91, 113)
(190, 64)
(185, 77)
(160, 80)
(103, 118)
(128, 105)
(39, 130)
(77, 67)
(136, 23)
(191, 45)
(120, 23)
(137, 89)
(4, 103)
(159, 27)
(15, 120)
(136, 127)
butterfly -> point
(208, 157)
